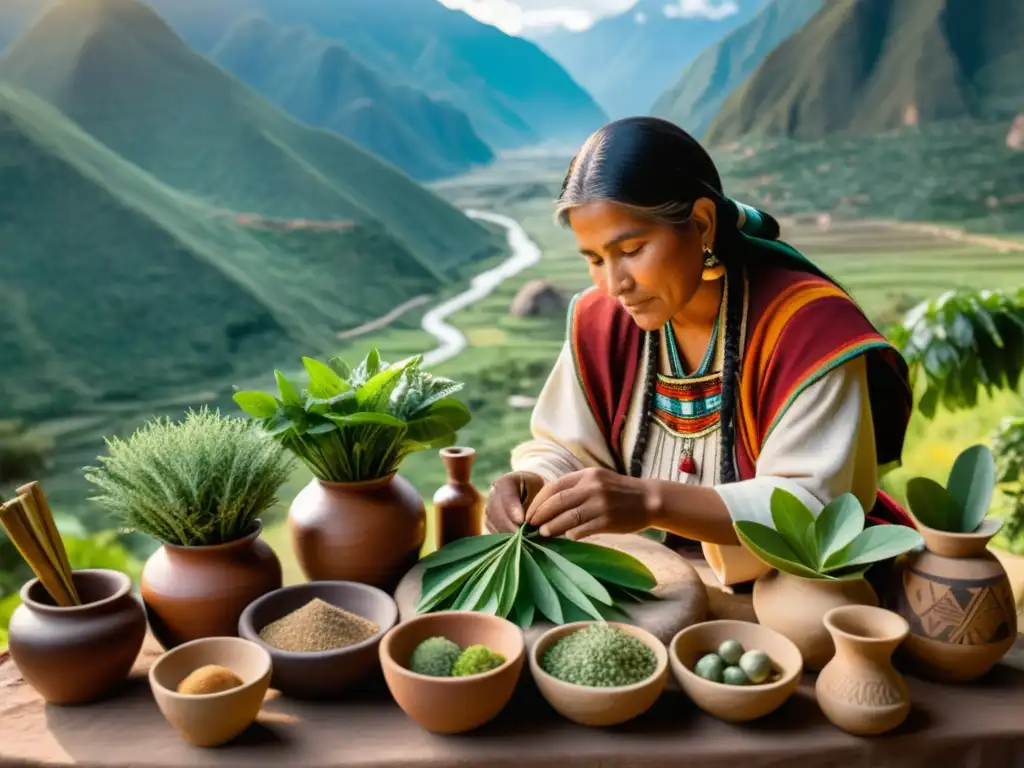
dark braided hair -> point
(656, 170)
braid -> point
(636, 464)
(730, 366)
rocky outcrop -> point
(536, 298)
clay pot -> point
(78, 654)
(959, 603)
(859, 690)
(458, 505)
(796, 608)
(196, 592)
(369, 532)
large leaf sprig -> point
(525, 577)
(356, 424)
(833, 546)
(963, 503)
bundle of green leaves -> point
(205, 480)
(523, 576)
(835, 545)
(351, 425)
(962, 504)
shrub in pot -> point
(820, 564)
(358, 519)
(199, 487)
(955, 594)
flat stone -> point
(683, 596)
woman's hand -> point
(593, 501)
(505, 512)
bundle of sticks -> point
(29, 522)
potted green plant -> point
(819, 563)
(358, 519)
(955, 594)
(199, 487)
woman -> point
(709, 365)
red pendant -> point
(687, 464)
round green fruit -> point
(730, 651)
(734, 676)
(710, 667)
(756, 665)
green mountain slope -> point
(117, 69)
(116, 287)
(696, 97)
(321, 83)
(864, 66)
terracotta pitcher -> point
(959, 603)
(796, 608)
(77, 654)
(458, 505)
(194, 592)
(859, 690)
(369, 532)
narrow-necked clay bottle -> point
(458, 505)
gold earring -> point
(713, 267)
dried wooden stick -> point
(14, 521)
(44, 515)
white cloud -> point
(640, 17)
(516, 16)
(704, 9)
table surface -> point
(977, 724)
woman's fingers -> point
(503, 505)
(591, 527)
(555, 500)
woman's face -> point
(653, 269)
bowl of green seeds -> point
(599, 673)
(736, 671)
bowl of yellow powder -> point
(322, 636)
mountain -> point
(626, 61)
(321, 83)
(882, 64)
(697, 96)
(514, 93)
(117, 70)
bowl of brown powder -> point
(322, 636)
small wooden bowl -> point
(592, 706)
(735, 703)
(453, 704)
(216, 718)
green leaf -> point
(932, 504)
(340, 367)
(523, 611)
(793, 520)
(477, 590)
(439, 420)
(375, 392)
(655, 534)
(366, 418)
(837, 525)
(563, 584)
(446, 580)
(604, 563)
(289, 393)
(586, 583)
(768, 546)
(262, 405)
(544, 596)
(971, 484)
(495, 591)
(872, 545)
(323, 382)
(463, 548)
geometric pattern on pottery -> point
(876, 692)
(958, 611)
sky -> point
(523, 16)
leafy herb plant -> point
(963, 503)
(356, 424)
(201, 481)
(525, 577)
(835, 545)
(1008, 447)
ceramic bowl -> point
(453, 704)
(587, 705)
(735, 703)
(321, 674)
(216, 718)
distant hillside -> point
(696, 97)
(321, 83)
(880, 64)
(514, 93)
(115, 68)
(628, 60)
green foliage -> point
(961, 342)
(962, 504)
(835, 545)
(205, 480)
(355, 424)
(1008, 447)
(523, 576)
